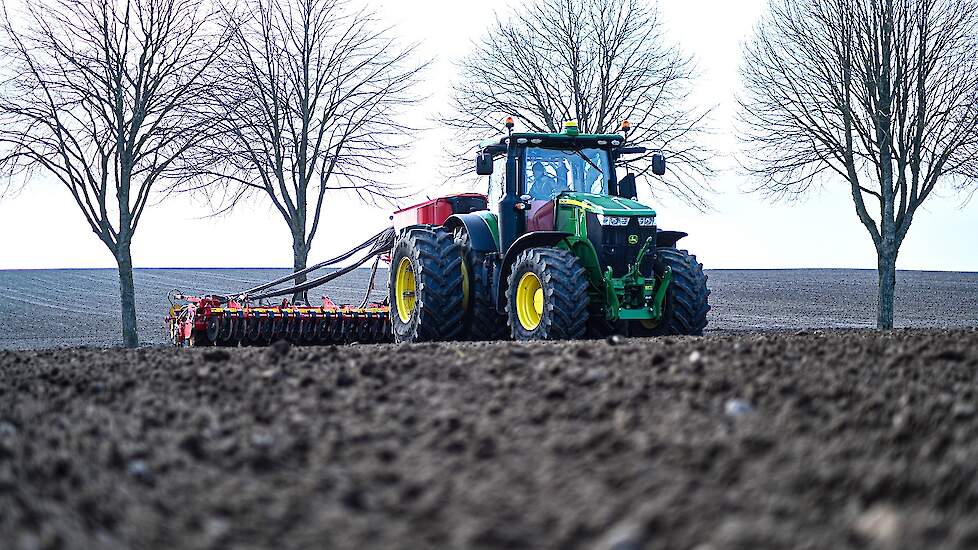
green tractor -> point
(564, 252)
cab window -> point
(552, 171)
(497, 181)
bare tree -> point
(315, 92)
(595, 61)
(880, 94)
(99, 95)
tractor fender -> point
(668, 239)
(480, 236)
(529, 240)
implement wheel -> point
(687, 298)
(426, 287)
(547, 296)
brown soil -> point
(810, 440)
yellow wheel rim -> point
(529, 301)
(404, 289)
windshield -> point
(551, 171)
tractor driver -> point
(544, 186)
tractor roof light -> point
(509, 124)
(571, 129)
(626, 126)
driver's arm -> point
(551, 187)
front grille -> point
(614, 248)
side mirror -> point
(483, 164)
(626, 187)
(658, 164)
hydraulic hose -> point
(386, 236)
(381, 243)
(370, 284)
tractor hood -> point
(605, 204)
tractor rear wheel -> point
(547, 296)
(426, 296)
(482, 321)
(687, 298)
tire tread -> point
(690, 294)
(566, 285)
(438, 279)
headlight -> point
(617, 221)
(646, 221)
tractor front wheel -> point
(546, 296)
(687, 298)
(426, 287)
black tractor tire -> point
(436, 267)
(482, 321)
(687, 298)
(565, 301)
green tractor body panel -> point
(605, 204)
(492, 222)
(634, 293)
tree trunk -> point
(300, 259)
(127, 293)
(886, 270)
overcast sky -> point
(41, 227)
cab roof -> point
(560, 139)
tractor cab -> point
(534, 173)
(544, 172)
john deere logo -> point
(633, 239)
